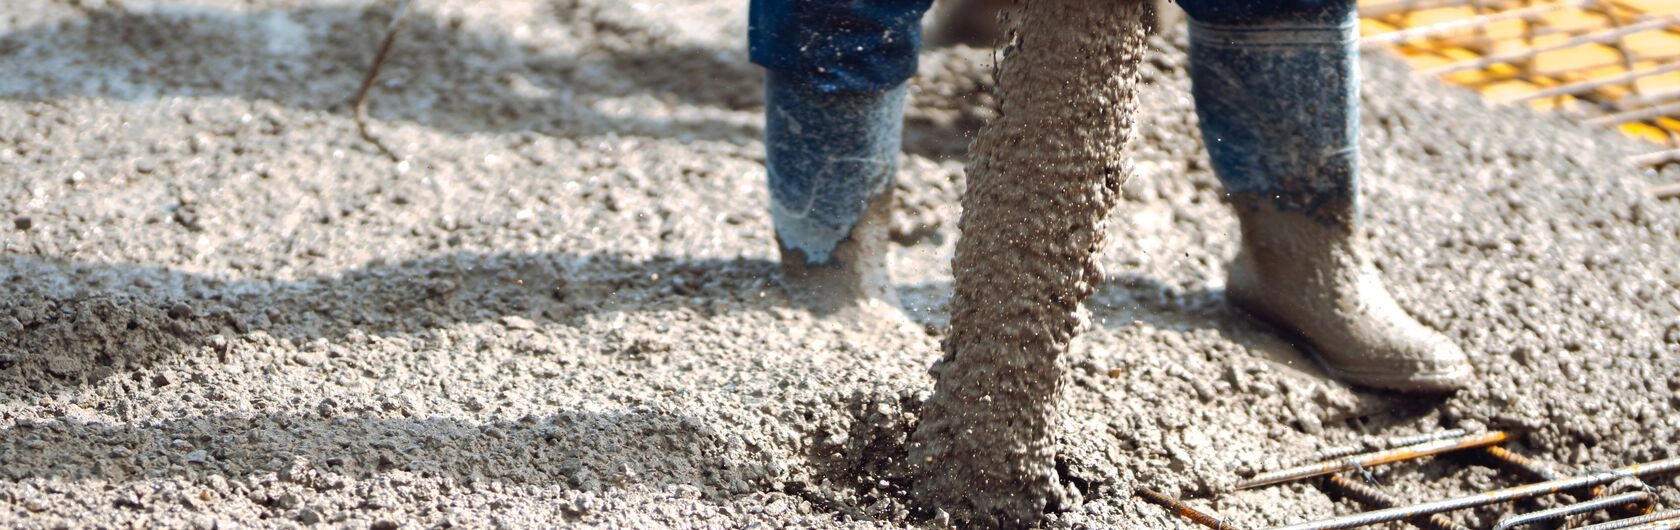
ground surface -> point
(219, 307)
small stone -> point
(941, 519)
(62, 366)
(287, 501)
(310, 358)
(1306, 416)
(23, 222)
(308, 516)
(180, 310)
(518, 322)
(187, 218)
(384, 525)
(145, 167)
(197, 457)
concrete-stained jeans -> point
(1275, 83)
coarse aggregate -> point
(219, 307)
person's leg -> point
(1276, 85)
(834, 117)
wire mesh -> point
(1615, 61)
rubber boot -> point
(831, 159)
(1278, 103)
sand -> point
(220, 308)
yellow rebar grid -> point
(1616, 59)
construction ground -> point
(220, 307)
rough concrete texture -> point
(1045, 176)
(219, 307)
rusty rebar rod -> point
(1376, 499)
(1492, 497)
(1535, 470)
(1521, 464)
(1670, 516)
(1378, 458)
(1553, 514)
(1346, 450)
(1184, 510)
(359, 105)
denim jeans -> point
(1278, 102)
(863, 45)
(1275, 84)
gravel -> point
(560, 309)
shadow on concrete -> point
(575, 449)
(439, 75)
(120, 317)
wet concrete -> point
(1045, 176)
(560, 311)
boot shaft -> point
(827, 156)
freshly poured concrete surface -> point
(218, 306)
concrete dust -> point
(219, 307)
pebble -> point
(1309, 423)
(180, 310)
(308, 516)
(518, 322)
(310, 358)
(23, 222)
(384, 525)
(188, 219)
(197, 457)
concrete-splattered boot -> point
(1277, 95)
(831, 159)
